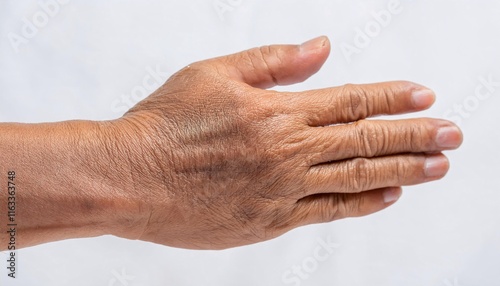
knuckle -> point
(359, 175)
(264, 51)
(271, 53)
(258, 56)
(403, 171)
(356, 101)
(406, 170)
(281, 218)
(265, 57)
(348, 205)
(414, 138)
(319, 208)
(386, 98)
(331, 209)
(370, 138)
(278, 134)
(400, 170)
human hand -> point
(218, 161)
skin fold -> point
(214, 159)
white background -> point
(88, 54)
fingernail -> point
(436, 166)
(423, 98)
(449, 137)
(314, 44)
(391, 195)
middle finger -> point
(372, 138)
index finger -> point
(354, 102)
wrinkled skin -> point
(220, 161)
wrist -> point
(107, 161)
(68, 184)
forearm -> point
(61, 187)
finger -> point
(360, 174)
(349, 103)
(268, 66)
(372, 138)
(328, 207)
